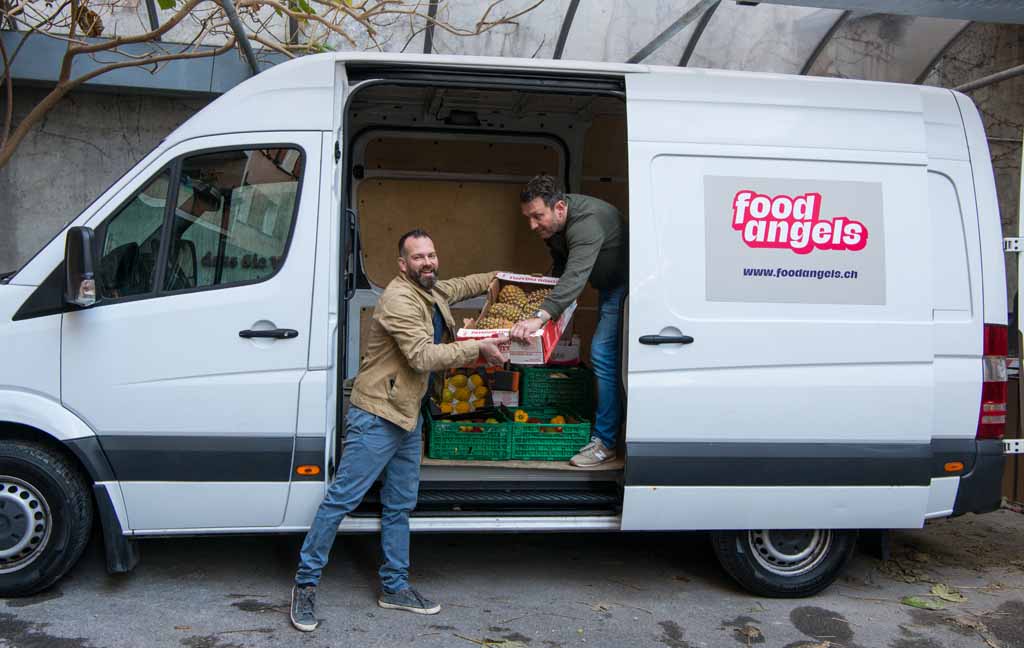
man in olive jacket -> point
(406, 343)
(588, 242)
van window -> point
(131, 242)
(233, 217)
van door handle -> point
(280, 334)
(666, 339)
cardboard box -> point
(567, 352)
(543, 342)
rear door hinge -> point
(1011, 245)
(337, 151)
(1013, 446)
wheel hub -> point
(24, 523)
(790, 552)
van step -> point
(595, 498)
(517, 498)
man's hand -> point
(522, 331)
(491, 353)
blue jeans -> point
(604, 355)
(372, 445)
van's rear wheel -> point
(784, 563)
(45, 517)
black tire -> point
(46, 512)
(772, 563)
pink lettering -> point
(795, 223)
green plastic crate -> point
(548, 441)
(558, 387)
(468, 440)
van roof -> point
(301, 94)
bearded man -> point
(407, 342)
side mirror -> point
(79, 273)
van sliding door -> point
(780, 370)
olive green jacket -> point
(400, 351)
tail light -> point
(992, 417)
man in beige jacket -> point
(406, 343)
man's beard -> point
(427, 283)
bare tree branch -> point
(320, 25)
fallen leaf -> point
(947, 593)
(182, 627)
(750, 634)
(919, 557)
(684, 579)
(922, 602)
(601, 607)
(967, 623)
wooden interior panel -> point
(476, 226)
(616, 193)
(462, 156)
(604, 149)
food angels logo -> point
(793, 222)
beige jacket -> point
(400, 351)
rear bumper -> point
(981, 489)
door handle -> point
(666, 339)
(280, 334)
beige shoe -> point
(593, 454)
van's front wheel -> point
(784, 563)
(45, 517)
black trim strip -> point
(568, 82)
(794, 464)
(200, 458)
(981, 490)
(309, 451)
(89, 452)
(47, 299)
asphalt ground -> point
(536, 591)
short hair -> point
(544, 187)
(416, 233)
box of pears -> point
(510, 299)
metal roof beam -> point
(823, 43)
(40, 60)
(997, 11)
(563, 33)
(693, 13)
(991, 79)
(698, 31)
(428, 37)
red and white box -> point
(542, 343)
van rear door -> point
(780, 358)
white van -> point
(815, 340)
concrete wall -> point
(85, 144)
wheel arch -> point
(33, 417)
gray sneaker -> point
(408, 600)
(303, 609)
(592, 454)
